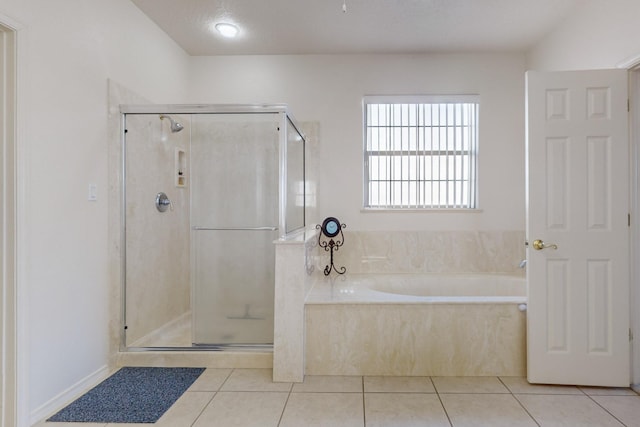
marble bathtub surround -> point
(328, 326)
(430, 252)
(415, 339)
(293, 282)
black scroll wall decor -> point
(331, 238)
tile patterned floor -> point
(248, 397)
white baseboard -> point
(68, 395)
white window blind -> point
(421, 152)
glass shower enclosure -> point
(206, 189)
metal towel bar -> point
(234, 228)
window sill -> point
(425, 210)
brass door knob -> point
(539, 245)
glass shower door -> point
(234, 221)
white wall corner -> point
(69, 395)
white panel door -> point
(577, 228)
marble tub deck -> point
(367, 289)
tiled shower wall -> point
(157, 247)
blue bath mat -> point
(131, 395)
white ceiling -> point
(368, 26)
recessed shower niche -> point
(201, 274)
(180, 168)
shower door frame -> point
(284, 118)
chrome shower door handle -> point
(539, 245)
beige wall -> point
(598, 34)
(329, 89)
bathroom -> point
(496, 227)
(68, 241)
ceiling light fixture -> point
(227, 30)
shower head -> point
(175, 126)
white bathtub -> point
(420, 325)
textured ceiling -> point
(368, 26)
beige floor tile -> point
(117, 425)
(112, 425)
(624, 408)
(521, 385)
(469, 385)
(210, 380)
(491, 410)
(398, 385)
(608, 391)
(253, 380)
(329, 384)
(246, 409)
(186, 409)
(404, 410)
(570, 411)
(324, 409)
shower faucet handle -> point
(163, 202)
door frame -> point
(7, 227)
(634, 132)
(14, 380)
(632, 65)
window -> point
(421, 152)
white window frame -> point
(405, 177)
